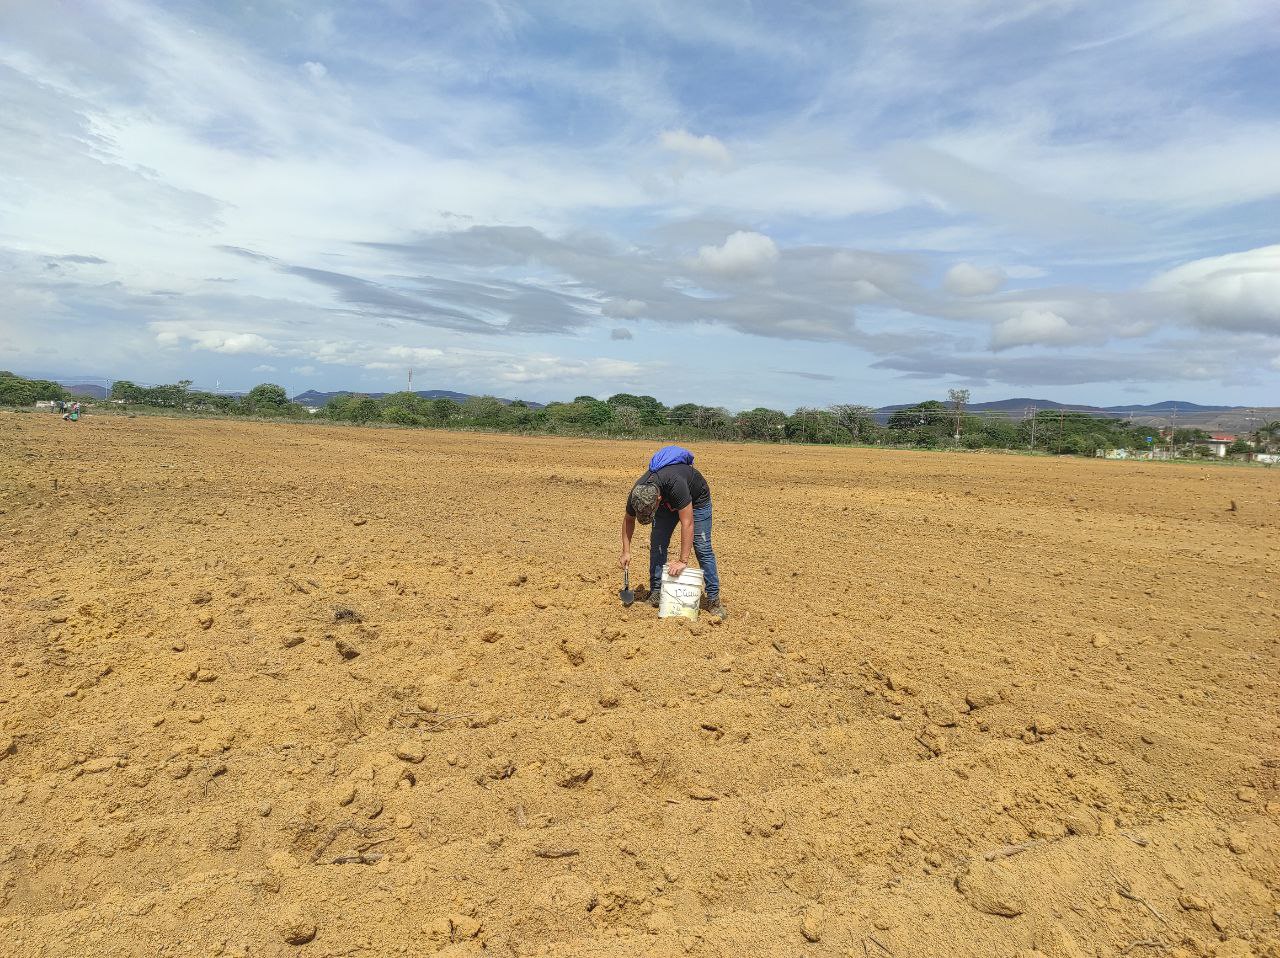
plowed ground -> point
(374, 692)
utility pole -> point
(1173, 429)
(959, 399)
(409, 388)
(1033, 427)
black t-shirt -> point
(680, 485)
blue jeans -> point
(665, 522)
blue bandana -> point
(669, 456)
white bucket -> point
(681, 595)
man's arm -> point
(676, 566)
(628, 528)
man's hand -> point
(625, 561)
(675, 567)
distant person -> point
(672, 492)
(73, 414)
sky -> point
(733, 203)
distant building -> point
(1218, 443)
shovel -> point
(625, 593)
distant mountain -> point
(1169, 412)
(315, 398)
(87, 389)
(1020, 405)
(1170, 405)
(1012, 406)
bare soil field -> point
(291, 690)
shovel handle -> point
(626, 578)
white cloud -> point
(704, 149)
(961, 186)
(620, 332)
(742, 253)
(1239, 292)
(540, 369)
(315, 70)
(263, 368)
(1034, 327)
(1024, 272)
(623, 308)
(213, 340)
(965, 279)
(496, 367)
(304, 370)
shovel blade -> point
(625, 593)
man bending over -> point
(672, 492)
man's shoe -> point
(654, 597)
(716, 607)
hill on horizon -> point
(313, 397)
(1022, 404)
(87, 389)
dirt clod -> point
(411, 751)
(1239, 842)
(983, 698)
(347, 649)
(573, 773)
(990, 889)
(297, 928)
(811, 923)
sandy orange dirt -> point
(320, 691)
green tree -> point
(762, 424)
(1268, 435)
(858, 421)
(1187, 435)
(583, 413)
(488, 412)
(522, 416)
(405, 409)
(959, 399)
(443, 410)
(651, 412)
(401, 416)
(126, 391)
(20, 391)
(628, 419)
(336, 408)
(265, 399)
(816, 426)
(363, 409)
(931, 413)
(998, 432)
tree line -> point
(930, 424)
(265, 399)
(17, 390)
